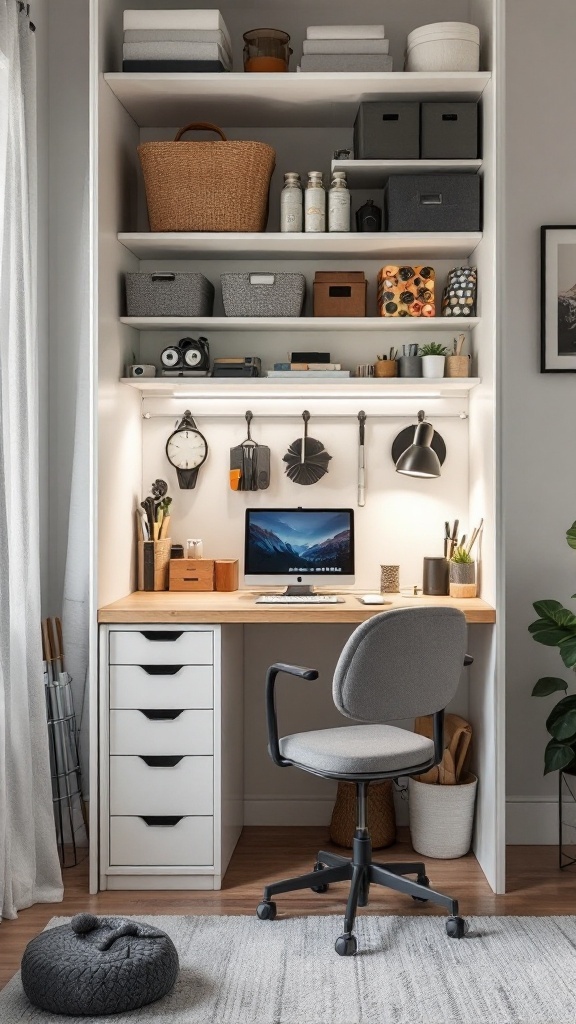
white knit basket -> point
(441, 817)
(444, 46)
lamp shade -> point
(424, 456)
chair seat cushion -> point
(98, 966)
(356, 749)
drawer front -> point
(140, 788)
(161, 841)
(161, 647)
(189, 732)
(161, 686)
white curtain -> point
(29, 866)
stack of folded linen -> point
(176, 41)
(345, 48)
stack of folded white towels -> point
(345, 48)
(176, 41)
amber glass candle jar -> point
(266, 49)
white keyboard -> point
(299, 599)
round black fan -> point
(307, 459)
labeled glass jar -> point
(315, 203)
(291, 199)
(339, 203)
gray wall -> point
(539, 471)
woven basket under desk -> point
(380, 814)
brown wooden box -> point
(226, 574)
(191, 574)
(340, 293)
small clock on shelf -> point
(187, 450)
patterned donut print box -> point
(406, 291)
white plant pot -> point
(441, 817)
(433, 366)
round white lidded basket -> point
(441, 817)
(444, 46)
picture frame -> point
(558, 299)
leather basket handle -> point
(200, 126)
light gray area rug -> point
(239, 970)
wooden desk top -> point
(167, 606)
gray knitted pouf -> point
(98, 965)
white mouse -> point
(374, 599)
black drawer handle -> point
(339, 291)
(163, 276)
(161, 670)
(162, 635)
(160, 820)
(390, 117)
(161, 761)
(449, 117)
(161, 714)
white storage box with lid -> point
(444, 46)
(263, 294)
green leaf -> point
(546, 608)
(547, 685)
(571, 536)
(552, 637)
(564, 618)
(558, 756)
(568, 651)
(561, 722)
(539, 625)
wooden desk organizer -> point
(226, 574)
(153, 562)
(191, 574)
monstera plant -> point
(556, 627)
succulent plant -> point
(433, 348)
(462, 556)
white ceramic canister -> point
(339, 203)
(444, 46)
(291, 210)
(433, 366)
(315, 203)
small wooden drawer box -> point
(191, 574)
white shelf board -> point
(301, 324)
(183, 245)
(347, 387)
(374, 173)
(305, 100)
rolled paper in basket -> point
(457, 366)
(386, 368)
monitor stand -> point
(299, 591)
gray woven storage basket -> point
(263, 294)
(166, 294)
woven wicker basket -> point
(207, 186)
(380, 814)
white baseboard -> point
(531, 821)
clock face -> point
(186, 448)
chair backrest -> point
(400, 664)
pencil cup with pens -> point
(456, 364)
(387, 366)
(410, 363)
(462, 565)
(154, 540)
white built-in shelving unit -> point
(299, 324)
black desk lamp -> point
(419, 451)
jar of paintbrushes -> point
(456, 364)
(387, 365)
(154, 541)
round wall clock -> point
(187, 450)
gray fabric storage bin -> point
(387, 131)
(432, 202)
(166, 294)
(263, 294)
(449, 131)
(381, 62)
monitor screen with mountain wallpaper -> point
(297, 545)
(558, 299)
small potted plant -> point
(462, 573)
(433, 359)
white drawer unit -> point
(156, 840)
(170, 754)
(161, 784)
(161, 686)
(161, 647)
(161, 731)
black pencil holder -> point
(436, 577)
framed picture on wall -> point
(558, 300)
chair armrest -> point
(271, 720)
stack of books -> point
(345, 48)
(296, 371)
(176, 41)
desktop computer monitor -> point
(299, 547)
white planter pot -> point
(433, 366)
(441, 817)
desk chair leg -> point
(410, 868)
(339, 873)
(391, 880)
(346, 944)
(331, 859)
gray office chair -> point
(396, 665)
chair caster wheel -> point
(456, 927)
(346, 945)
(266, 910)
(319, 888)
(422, 880)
